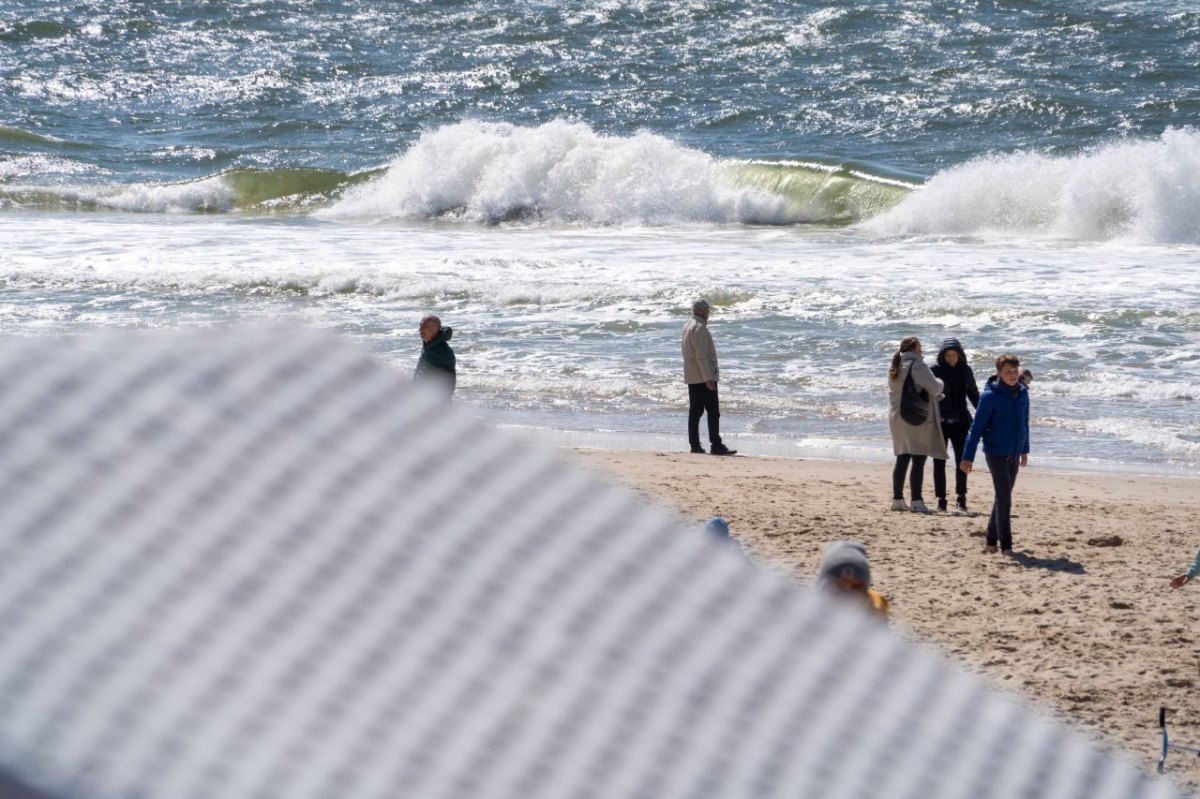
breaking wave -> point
(1140, 191)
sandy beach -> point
(1082, 624)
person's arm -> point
(982, 419)
(972, 389)
(923, 377)
(1179, 581)
(707, 357)
(1025, 424)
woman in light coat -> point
(913, 443)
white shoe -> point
(898, 504)
(919, 507)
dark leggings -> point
(914, 480)
(956, 433)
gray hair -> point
(699, 305)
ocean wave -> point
(1172, 440)
(22, 136)
(236, 190)
(567, 173)
(1139, 191)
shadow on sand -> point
(1061, 564)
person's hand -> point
(965, 466)
(712, 385)
(1179, 581)
(1024, 459)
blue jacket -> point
(1001, 421)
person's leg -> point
(916, 477)
(958, 442)
(1000, 524)
(939, 479)
(695, 411)
(712, 406)
(898, 473)
(1006, 542)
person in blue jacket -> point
(1002, 423)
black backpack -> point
(914, 402)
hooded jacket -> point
(958, 385)
(436, 363)
(1001, 421)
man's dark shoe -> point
(699, 450)
(721, 449)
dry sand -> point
(1082, 624)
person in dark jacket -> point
(1002, 424)
(958, 388)
(436, 364)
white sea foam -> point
(560, 171)
(209, 194)
(1137, 191)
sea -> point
(559, 181)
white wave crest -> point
(209, 194)
(1138, 191)
(561, 172)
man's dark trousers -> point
(702, 400)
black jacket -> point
(959, 387)
(437, 360)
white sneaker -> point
(918, 506)
(898, 504)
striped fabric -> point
(257, 564)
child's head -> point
(1026, 377)
(1008, 369)
(844, 570)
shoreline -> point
(787, 449)
(1082, 624)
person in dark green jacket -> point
(436, 364)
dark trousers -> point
(956, 434)
(702, 400)
(1004, 477)
(914, 480)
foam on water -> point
(559, 171)
(1145, 191)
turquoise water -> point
(559, 181)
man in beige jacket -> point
(700, 373)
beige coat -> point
(699, 352)
(921, 439)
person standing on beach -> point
(913, 443)
(1002, 423)
(701, 374)
(958, 386)
(436, 364)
